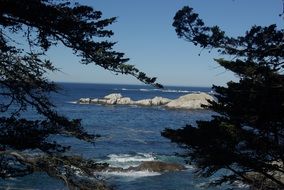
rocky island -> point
(188, 101)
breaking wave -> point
(132, 174)
(128, 160)
(182, 91)
(159, 90)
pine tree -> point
(24, 86)
(246, 132)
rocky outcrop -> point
(110, 99)
(93, 101)
(158, 166)
(189, 101)
(157, 101)
(261, 181)
(145, 102)
(151, 166)
(160, 101)
(113, 96)
(84, 100)
(125, 101)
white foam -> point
(189, 167)
(176, 91)
(127, 160)
(144, 90)
(132, 174)
(131, 158)
(203, 185)
(241, 185)
(72, 102)
(161, 90)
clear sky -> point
(144, 32)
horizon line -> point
(141, 84)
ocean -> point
(129, 136)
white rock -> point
(94, 101)
(84, 100)
(113, 96)
(102, 101)
(125, 101)
(190, 101)
(111, 101)
(144, 102)
(157, 101)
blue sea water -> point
(129, 135)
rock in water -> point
(158, 101)
(111, 101)
(124, 101)
(158, 166)
(84, 101)
(144, 102)
(113, 96)
(190, 101)
(151, 166)
(94, 101)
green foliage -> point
(246, 135)
(24, 86)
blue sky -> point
(144, 32)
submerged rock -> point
(190, 101)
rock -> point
(145, 102)
(113, 96)
(102, 101)
(157, 101)
(111, 101)
(259, 180)
(125, 101)
(157, 166)
(94, 101)
(190, 101)
(84, 100)
(152, 166)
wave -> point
(132, 174)
(127, 160)
(159, 90)
(140, 157)
(135, 89)
(241, 185)
(72, 102)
